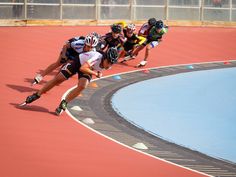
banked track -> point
(95, 104)
(35, 142)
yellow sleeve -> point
(142, 39)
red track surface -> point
(35, 143)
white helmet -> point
(91, 40)
(131, 27)
(95, 34)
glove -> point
(99, 74)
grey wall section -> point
(134, 10)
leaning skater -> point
(87, 65)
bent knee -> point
(149, 47)
(81, 87)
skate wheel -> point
(33, 83)
(58, 111)
(22, 104)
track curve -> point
(95, 104)
(34, 142)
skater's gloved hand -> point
(64, 58)
(99, 74)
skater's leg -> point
(82, 84)
(49, 85)
(58, 79)
(39, 77)
(52, 67)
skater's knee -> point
(83, 82)
(59, 77)
(141, 47)
(149, 47)
(81, 86)
(58, 63)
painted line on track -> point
(124, 145)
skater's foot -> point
(30, 99)
(141, 64)
(38, 78)
(62, 107)
(129, 57)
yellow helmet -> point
(123, 24)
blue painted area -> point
(196, 109)
(117, 77)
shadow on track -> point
(53, 73)
(32, 108)
(29, 80)
(21, 88)
(125, 64)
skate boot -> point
(38, 78)
(127, 58)
(141, 64)
(30, 99)
(62, 107)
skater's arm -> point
(86, 68)
(141, 39)
(64, 49)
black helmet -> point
(112, 55)
(116, 28)
(152, 21)
(159, 24)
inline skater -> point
(154, 37)
(133, 40)
(112, 39)
(87, 64)
(70, 50)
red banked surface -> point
(36, 143)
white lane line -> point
(212, 62)
(76, 108)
